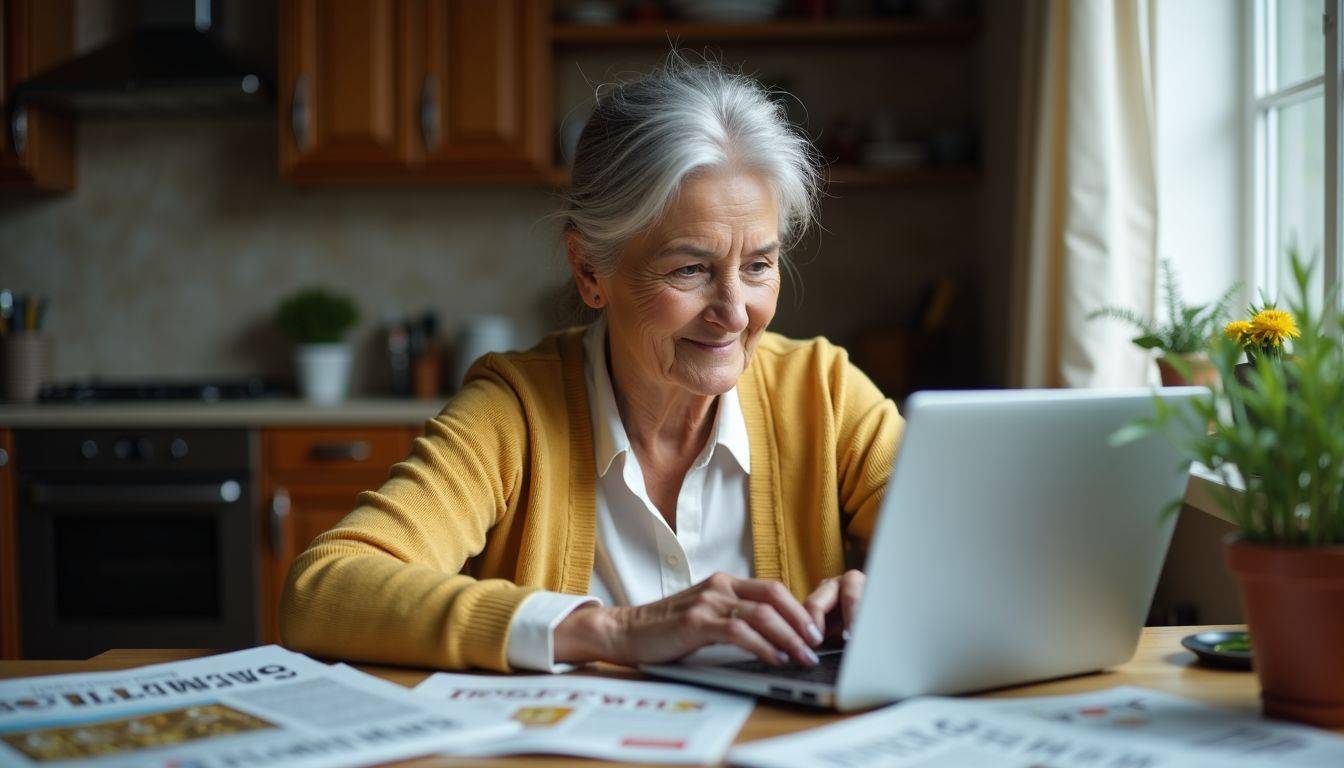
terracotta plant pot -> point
(1294, 603)
(1203, 373)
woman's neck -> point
(659, 419)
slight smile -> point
(712, 347)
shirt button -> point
(672, 560)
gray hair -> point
(647, 135)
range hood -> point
(172, 64)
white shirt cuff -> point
(532, 631)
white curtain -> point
(1087, 224)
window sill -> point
(1204, 484)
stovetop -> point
(96, 390)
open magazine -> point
(1122, 727)
(249, 709)
(596, 717)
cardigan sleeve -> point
(386, 584)
(868, 433)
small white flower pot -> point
(324, 371)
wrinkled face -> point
(691, 296)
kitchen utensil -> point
(6, 309)
(27, 364)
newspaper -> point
(250, 709)
(596, 717)
(1122, 727)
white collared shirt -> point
(638, 557)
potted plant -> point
(1281, 428)
(1183, 339)
(1264, 335)
(317, 322)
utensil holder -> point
(27, 356)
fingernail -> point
(810, 656)
(845, 635)
(782, 656)
(814, 633)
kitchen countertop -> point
(1200, 492)
(229, 413)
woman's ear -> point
(585, 277)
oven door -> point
(169, 563)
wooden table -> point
(1160, 663)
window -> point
(1296, 141)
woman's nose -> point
(729, 308)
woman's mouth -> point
(716, 346)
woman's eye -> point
(759, 267)
(690, 270)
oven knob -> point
(89, 449)
(123, 449)
(178, 448)
(230, 490)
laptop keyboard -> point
(827, 671)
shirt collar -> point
(609, 436)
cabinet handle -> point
(429, 112)
(298, 112)
(353, 450)
(18, 129)
(279, 516)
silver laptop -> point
(1015, 543)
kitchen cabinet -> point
(414, 90)
(37, 147)
(9, 571)
(309, 480)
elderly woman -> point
(669, 477)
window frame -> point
(1263, 260)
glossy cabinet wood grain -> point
(410, 91)
(343, 91)
(309, 480)
(482, 110)
(37, 147)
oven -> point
(136, 538)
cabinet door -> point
(298, 515)
(483, 104)
(37, 148)
(344, 102)
(310, 479)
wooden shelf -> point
(903, 31)
(842, 177)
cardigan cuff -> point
(483, 641)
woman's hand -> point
(843, 591)
(759, 616)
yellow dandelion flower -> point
(1272, 327)
(1237, 331)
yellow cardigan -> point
(497, 500)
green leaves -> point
(1187, 330)
(1279, 422)
(315, 316)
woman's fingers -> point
(737, 631)
(822, 600)
(851, 591)
(769, 624)
(778, 597)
